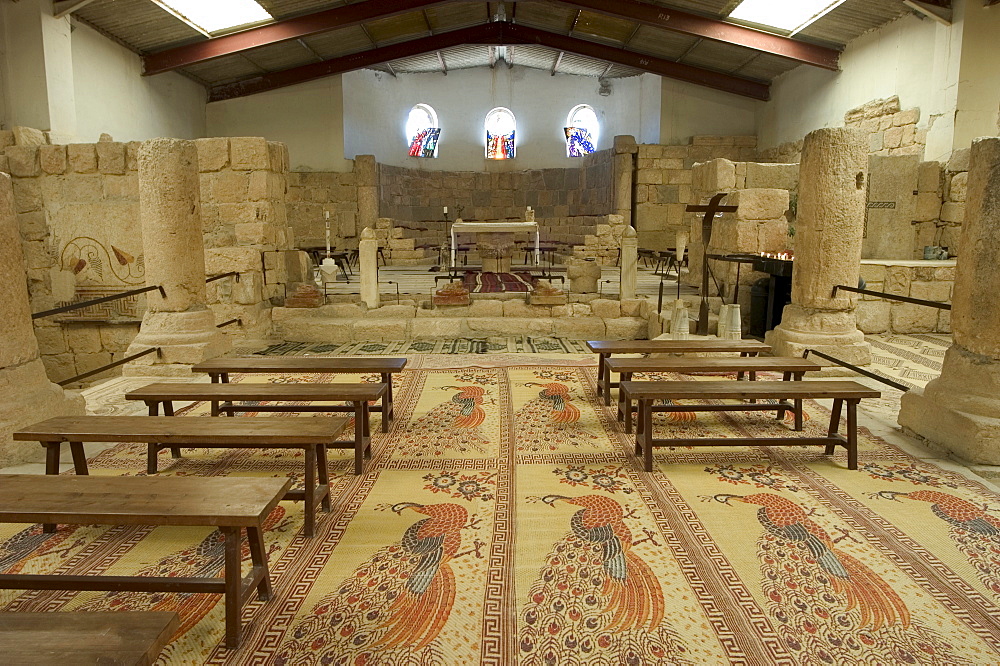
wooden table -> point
(228, 504)
(123, 638)
(360, 396)
(646, 393)
(312, 435)
(219, 368)
(791, 367)
(605, 348)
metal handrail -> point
(223, 275)
(894, 297)
(231, 321)
(102, 299)
(860, 371)
(109, 366)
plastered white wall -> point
(979, 80)
(309, 117)
(112, 96)
(376, 106)
(688, 110)
(917, 59)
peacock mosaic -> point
(503, 520)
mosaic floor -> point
(504, 520)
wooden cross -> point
(710, 210)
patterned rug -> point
(912, 360)
(485, 282)
(504, 520)
(521, 344)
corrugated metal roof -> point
(146, 28)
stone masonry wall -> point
(940, 203)
(932, 281)
(663, 183)
(311, 195)
(415, 195)
(79, 217)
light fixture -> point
(789, 15)
(217, 15)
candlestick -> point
(328, 239)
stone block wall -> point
(416, 195)
(763, 222)
(243, 190)
(891, 130)
(312, 195)
(663, 183)
(78, 209)
(929, 280)
(940, 203)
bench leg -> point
(233, 584)
(752, 375)
(151, 451)
(324, 476)
(168, 410)
(258, 557)
(52, 450)
(366, 420)
(852, 434)
(798, 414)
(646, 414)
(310, 492)
(600, 374)
(388, 410)
(638, 425)
(626, 376)
(79, 458)
(834, 428)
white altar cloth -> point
(494, 227)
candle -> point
(326, 214)
(445, 210)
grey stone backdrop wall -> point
(413, 195)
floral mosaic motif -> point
(905, 472)
(476, 378)
(610, 478)
(421, 346)
(462, 486)
(373, 347)
(555, 375)
(758, 476)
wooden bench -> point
(228, 504)
(312, 435)
(792, 368)
(646, 393)
(359, 395)
(65, 639)
(605, 348)
(220, 368)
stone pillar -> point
(961, 408)
(368, 265)
(629, 264)
(26, 394)
(828, 239)
(622, 171)
(179, 323)
(366, 174)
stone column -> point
(26, 394)
(828, 238)
(622, 171)
(629, 264)
(961, 408)
(368, 265)
(179, 323)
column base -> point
(960, 410)
(184, 339)
(832, 332)
(27, 397)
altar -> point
(495, 242)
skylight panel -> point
(216, 15)
(789, 15)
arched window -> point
(500, 127)
(422, 131)
(582, 131)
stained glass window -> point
(422, 131)
(582, 131)
(500, 128)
